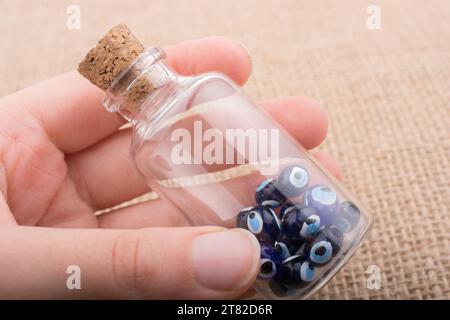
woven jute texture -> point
(387, 93)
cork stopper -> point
(112, 55)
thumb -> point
(194, 262)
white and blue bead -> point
(269, 262)
(267, 194)
(296, 271)
(301, 222)
(261, 221)
(348, 217)
(326, 244)
(324, 200)
(293, 181)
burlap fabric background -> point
(387, 92)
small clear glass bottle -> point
(200, 143)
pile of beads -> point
(302, 236)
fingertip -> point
(250, 274)
(330, 163)
(303, 117)
(253, 257)
(226, 261)
(218, 54)
(246, 64)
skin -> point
(63, 157)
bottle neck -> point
(142, 86)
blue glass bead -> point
(348, 217)
(296, 271)
(268, 252)
(321, 252)
(307, 272)
(267, 194)
(293, 181)
(278, 288)
(285, 274)
(261, 221)
(269, 263)
(284, 208)
(324, 200)
(300, 222)
(267, 269)
(282, 250)
(325, 245)
(302, 251)
(291, 244)
(310, 227)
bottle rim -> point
(128, 77)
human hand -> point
(63, 158)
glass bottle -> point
(200, 143)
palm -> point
(40, 190)
(48, 151)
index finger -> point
(69, 109)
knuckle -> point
(134, 265)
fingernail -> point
(243, 46)
(247, 51)
(225, 260)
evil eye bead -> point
(285, 207)
(267, 252)
(293, 181)
(261, 221)
(302, 251)
(251, 220)
(279, 289)
(295, 272)
(282, 250)
(269, 263)
(325, 245)
(307, 271)
(286, 274)
(300, 222)
(324, 200)
(321, 252)
(267, 269)
(255, 222)
(267, 194)
(348, 217)
(310, 227)
(292, 245)
(334, 235)
(342, 224)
